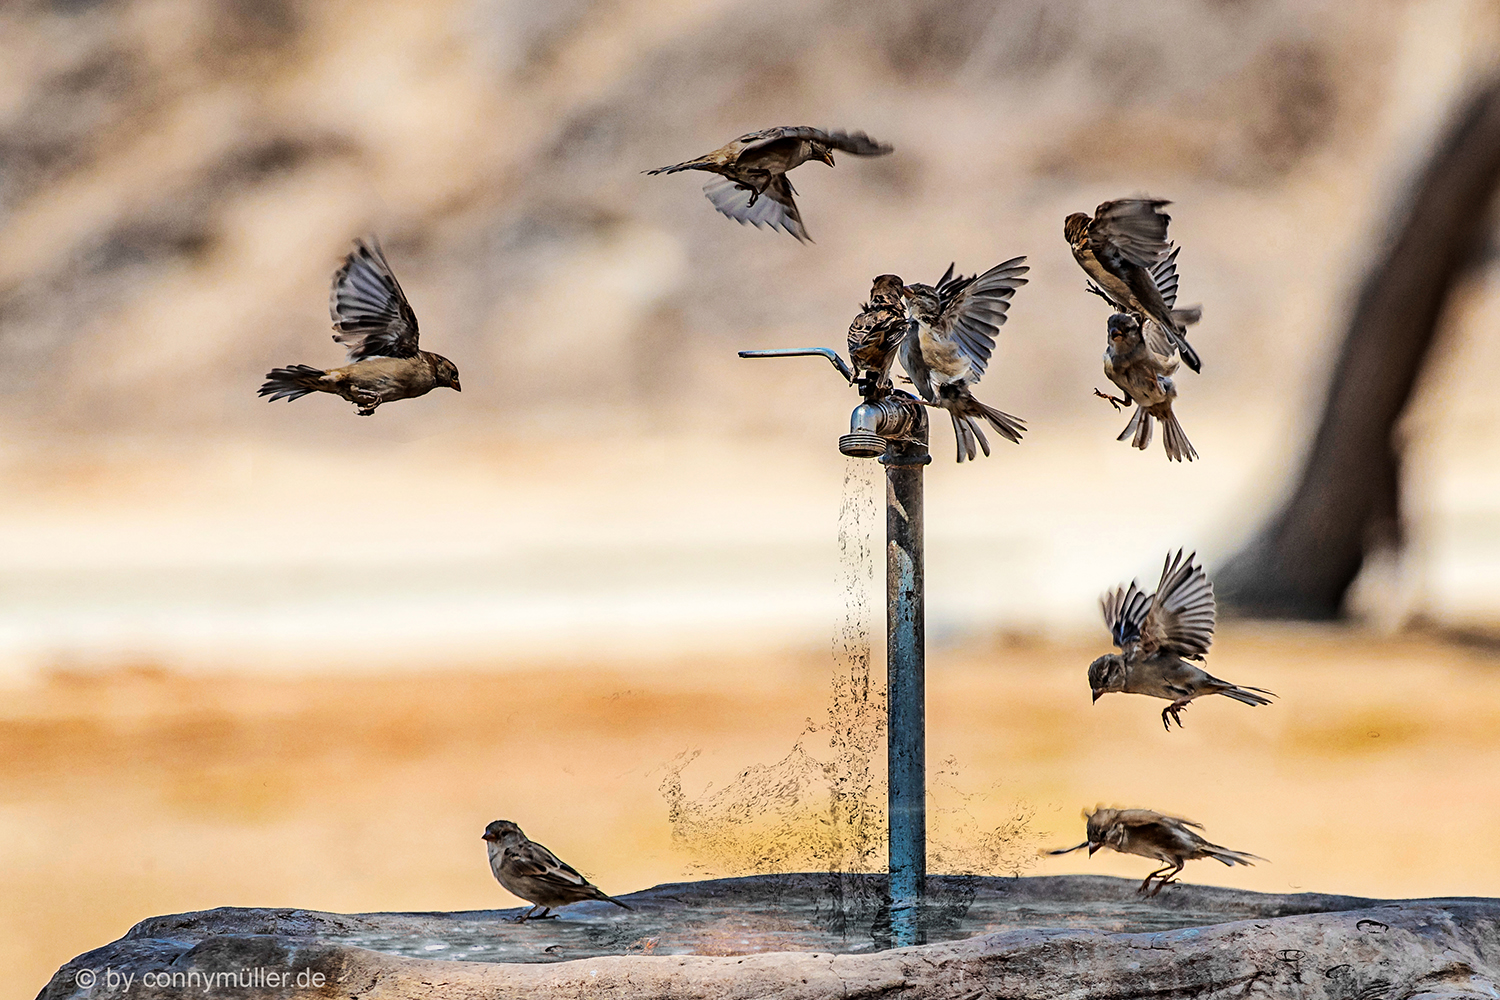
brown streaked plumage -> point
(1149, 834)
(379, 328)
(753, 187)
(527, 869)
(950, 344)
(880, 327)
(1157, 634)
(1145, 378)
(1122, 249)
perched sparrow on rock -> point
(380, 330)
(950, 344)
(1120, 248)
(527, 869)
(1145, 377)
(752, 186)
(1152, 835)
(1157, 635)
(880, 328)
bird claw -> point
(1173, 710)
(1116, 403)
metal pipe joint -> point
(877, 422)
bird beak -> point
(1097, 694)
(828, 158)
(457, 387)
(1093, 848)
(488, 836)
(905, 292)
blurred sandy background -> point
(281, 655)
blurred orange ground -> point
(140, 792)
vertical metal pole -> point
(905, 684)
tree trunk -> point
(1347, 500)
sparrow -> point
(1157, 635)
(527, 869)
(879, 329)
(1152, 835)
(1145, 378)
(949, 343)
(1119, 249)
(752, 186)
(378, 327)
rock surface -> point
(798, 936)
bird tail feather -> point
(1179, 448)
(1247, 695)
(293, 382)
(968, 434)
(701, 161)
(1140, 426)
(1009, 427)
(1231, 858)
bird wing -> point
(1164, 274)
(535, 861)
(775, 208)
(1135, 227)
(1181, 618)
(849, 142)
(369, 309)
(1124, 611)
(972, 310)
(1150, 817)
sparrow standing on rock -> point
(880, 328)
(752, 186)
(1152, 835)
(1145, 378)
(1157, 635)
(946, 350)
(1119, 249)
(527, 869)
(380, 330)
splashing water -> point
(825, 811)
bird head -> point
(1104, 829)
(1107, 674)
(1076, 228)
(887, 288)
(502, 831)
(446, 373)
(922, 302)
(1124, 331)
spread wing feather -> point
(1181, 616)
(369, 309)
(972, 310)
(849, 142)
(1124, 613)
(775, 208)
(1136, 227)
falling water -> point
(822, 809)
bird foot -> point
(1174, 710)
(1116, 403)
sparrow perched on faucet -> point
(1152, 835)
(527, 869)
(752, 186)
(1145, 378)
(1119, 249)
(879, 328)
(950, 343)
(378, 327)
(1157, 635)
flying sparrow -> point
(379, 329)
(1157, 635)
(879, 328)
(1145, 378)
(752, 186)
(1152, 835)
(527, 869)
(1120, 248)
(946, 350)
